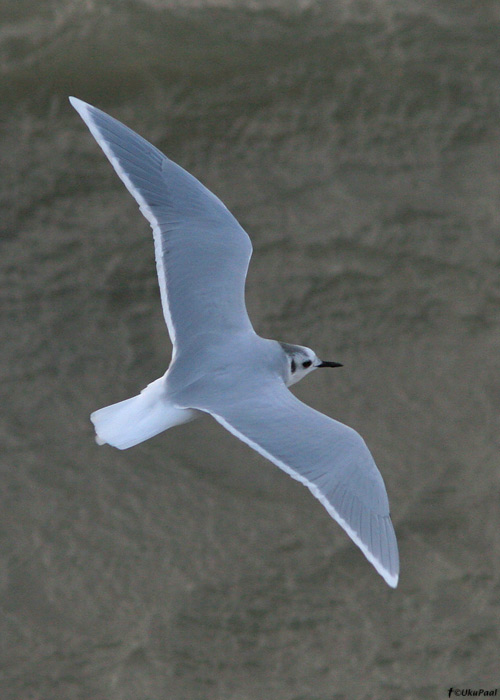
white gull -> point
(219, 365)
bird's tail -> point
(134, 420)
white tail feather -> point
(134, 420)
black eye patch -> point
(293, 366)
(307, 363)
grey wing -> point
(331, 459)
(202, 253)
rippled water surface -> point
(358, 142)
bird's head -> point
(300, 361)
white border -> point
(391, 579)
(85, 111)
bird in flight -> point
(219, 364)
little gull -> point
(219, 365)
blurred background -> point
(358, 143)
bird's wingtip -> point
(392, 580)
(78, 104)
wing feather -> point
(331, 459)
(202, 253)
(372, 532)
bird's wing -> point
(331, 459)
(202, 253)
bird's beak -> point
(329, 364)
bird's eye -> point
(293, 366)
(307, 363)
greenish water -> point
(358, 144)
